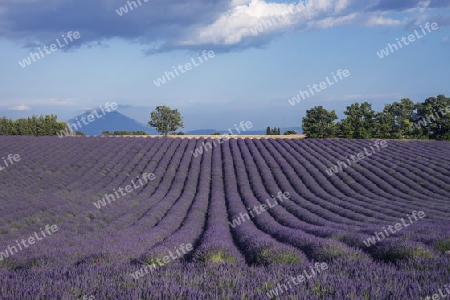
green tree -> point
(385, 123)
(360, 122)
(395, 121)
(319, 123)
(289, 132)
(403, 116)
(139, 132)
(47, 125)
(432, 118)
(272, 131)
(165, 120)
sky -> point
(257, 55)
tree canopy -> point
(47, 125)
(273, 131)
(404, 119)
(319, 122)
(166, 120)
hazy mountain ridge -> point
(116, 121)
(112, 121)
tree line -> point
(273, 131)
(400, 120)
(35, 125)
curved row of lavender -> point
(380, 223)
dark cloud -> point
(33, 23)
(439, 3)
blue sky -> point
(253, 73)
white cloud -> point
(382, 21)
(341, 5)
(422, 6)
(332, 21)
(44, 101)
(237, 23)
(20, 107)
(245, 16)
(56, 101)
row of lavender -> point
(193, 199)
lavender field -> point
(143, 218)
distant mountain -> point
(112, 121)
(115, 121)
(201, 132)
